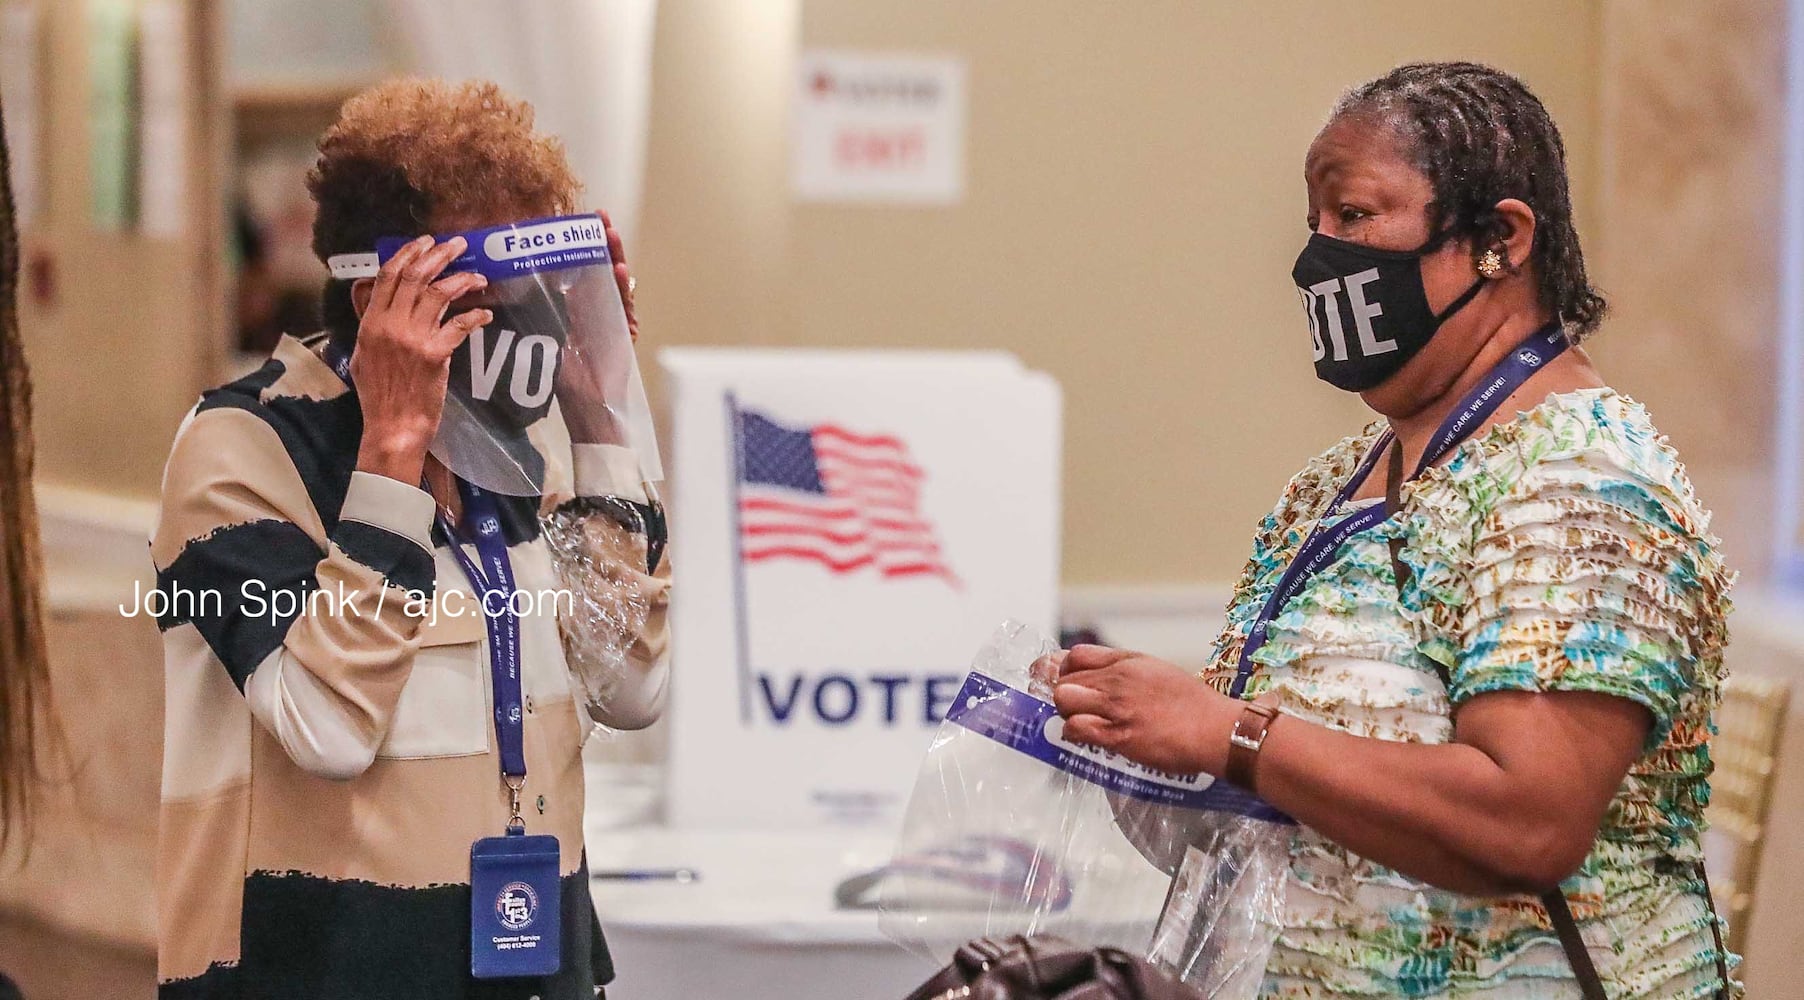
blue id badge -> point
(516, 914)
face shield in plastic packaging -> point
(1012, 829)
(559, 338)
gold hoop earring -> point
(1490, 264)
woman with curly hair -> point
(1482, 688)
(326, 774)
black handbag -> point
(1049, 968)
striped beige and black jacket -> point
(327, 768)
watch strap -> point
(1245, 742)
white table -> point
(759, 922)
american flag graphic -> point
(824, 494)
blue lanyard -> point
(338, 360)
(492, 576)
(1320, 549)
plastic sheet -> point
(593, 554)
(559, 330)
(1013, 830)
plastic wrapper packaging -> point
(1013, 830)
(600, 561)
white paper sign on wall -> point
(847, 531)
(878, 127)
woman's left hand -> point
(622, 275)
(1143, 708)
(587, 401)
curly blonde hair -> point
(410, 153)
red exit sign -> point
(878, 127)
(881, 149)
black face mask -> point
(508, 368)
(1368, 313)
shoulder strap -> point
(1583, 970)
(1590, 985)
(1393, 502)
(1716, 934)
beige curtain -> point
(22, 666)
(584, 64)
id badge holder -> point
(516, 913)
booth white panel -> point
(818, 639)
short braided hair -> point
(1480, 135)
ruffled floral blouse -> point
(1561, 551)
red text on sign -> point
(880, 149)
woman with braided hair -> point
(1477, 647)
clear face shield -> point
(559, 336)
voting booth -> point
(847, 528)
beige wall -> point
(125, 343)
(1691, 134)
(1691, 119)
(1133, 208)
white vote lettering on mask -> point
(1315, 328)
(1325, 292)
(1363, 312)
(485, 368)
(531, 384)
(526, 374)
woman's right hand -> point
(402, 361)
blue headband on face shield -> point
(510, 250)
(557, 312)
